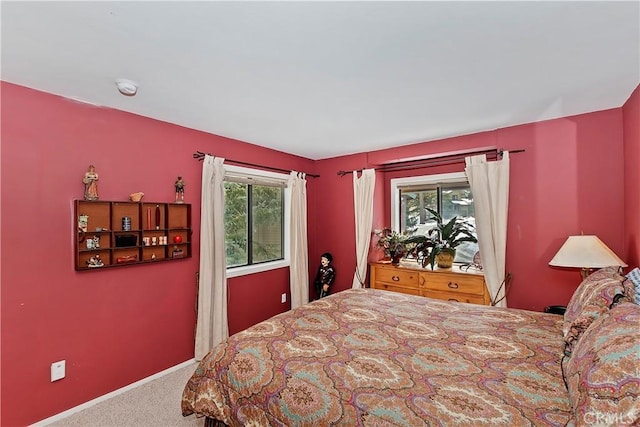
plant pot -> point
(395, 258)
(444, 258)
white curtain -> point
(299, 268)
(363, 188)
(212, 325)
(489, 182)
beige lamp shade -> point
(585, 252)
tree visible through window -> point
(254, 223)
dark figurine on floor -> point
(325, 277)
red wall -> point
(119, 325)
(114, 326)
(569, 180)
(631, 116)
(335, 224)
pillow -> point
(574, 330)
(634, 279)
(599, 289)
(595, 295)
(602, 374)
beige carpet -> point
(156, 403)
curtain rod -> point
(449, 159)
(199, 155)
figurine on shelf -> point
(95, 261)
(136, 197)
(83, 222)
(179, 184)
(90, 182)
(177, 252)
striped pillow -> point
(634, 278)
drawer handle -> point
(395, 278)
(453, 299)
(453, 285)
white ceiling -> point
(322, 79)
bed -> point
(370, 357)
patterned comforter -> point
(370, 357)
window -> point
(256, 207)
(448, 194)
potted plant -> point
(392, 243)
(439, 244)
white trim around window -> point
(254, 175)
(444, 178)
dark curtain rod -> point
(435, 161)
(199, 155)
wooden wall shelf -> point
(130, 233)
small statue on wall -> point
(179, 184)
(90, 182)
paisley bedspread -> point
(375, 358)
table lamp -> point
(585, 253)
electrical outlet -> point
(284, 298)
(57, 370)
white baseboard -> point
(114, 393)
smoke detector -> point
(127, 87)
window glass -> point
(236, 223)
(254, 220)
(449, 195)
(267, 220)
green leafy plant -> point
(443, 237)
(391, 242)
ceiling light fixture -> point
(127, 87)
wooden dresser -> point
(451, 284)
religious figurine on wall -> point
(90, 182)
(179, 184)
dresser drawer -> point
(444, 285)
(412, 290)
(397, 276)
(455, 296)
(466, 284)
